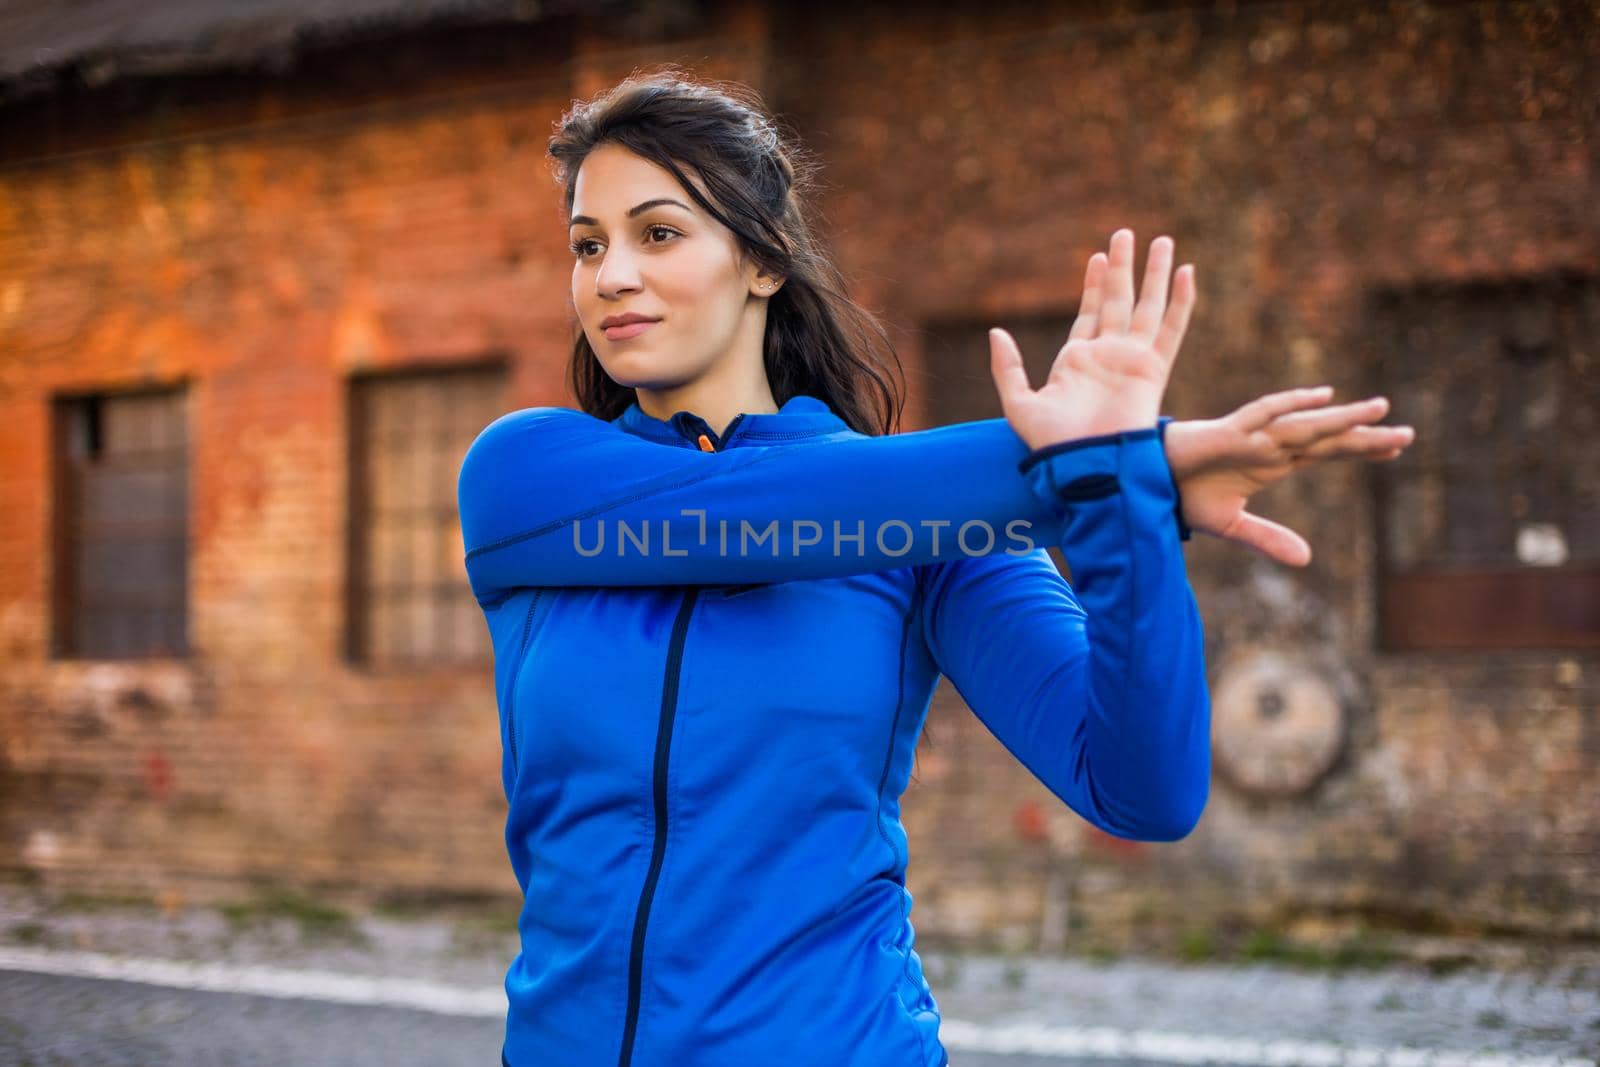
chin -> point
(642, 372)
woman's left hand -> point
(1219, 463)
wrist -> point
(1163, 429)
(1042, 452)
(1177, 438)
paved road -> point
(58, 1021)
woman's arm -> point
(1102, 698)
(533, 480)
(540, 488)
(1104, 701)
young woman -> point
(722, 592)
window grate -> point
(121, 525)
(410, 602)
(1489, 524)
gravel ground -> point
(1506, 998)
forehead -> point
(613, 179)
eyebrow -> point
(585, 220)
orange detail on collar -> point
(705, 444)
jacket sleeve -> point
(1104, 699)
(556, 497)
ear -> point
(766, 284)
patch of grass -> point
(1197, 945)
(29, 933)
(1362, 949)
(1367, 950)
(408, 904)
(314, 919)
(1440, 966)
(1491, 1020)
(1015, 975)
(1100, 953)
(1268, 946)
(100, 902)
(1391, 1002)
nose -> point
(617, 275)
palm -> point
(1111, 372)
(1109, 382)
(1215, 501)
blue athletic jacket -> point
(713, 658)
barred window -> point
(1489, 524)
(121, 537)
(409, 597)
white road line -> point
(262, 981)
(956, 1035)
(1166, 1047)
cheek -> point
(698, 277)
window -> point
(121, 525)
(1489, 525)
(410, 601)
(956, 376)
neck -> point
(715, 402)
(717, 408)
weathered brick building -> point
(263, 279)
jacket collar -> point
(799, 417)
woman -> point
(721, 595)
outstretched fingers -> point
(1005, 363)
(1176, 320)
(1270, 538)
(1262, 410)
(1302, 429)
(1153, 296)
(1362, 442)
(1117, 309)
(1088, 317)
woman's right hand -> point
(1113, 369)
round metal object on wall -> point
(1277, 724)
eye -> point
(578, 247)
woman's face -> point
(668, 261)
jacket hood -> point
(800, 416)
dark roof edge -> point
(186, 37)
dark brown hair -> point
(818, 341)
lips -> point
(628, 329)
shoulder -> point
(536, 419)
(515, 443)
(518, 430)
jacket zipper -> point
(641, 919)
(700, 432)
(516, 672)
